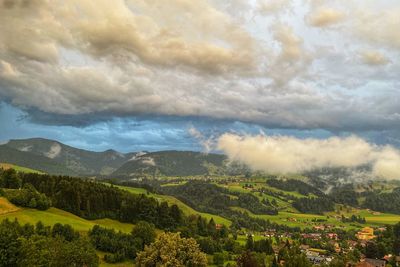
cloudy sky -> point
(179, 74)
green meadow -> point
(18, 168)
(53, 216)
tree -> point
(145, 232)
(9, 244)
(35, 251)
(218, 259)
(170, 249)
(11, 179)
(78, 253)
(249, 242)
(371, 250)
(247, 259)
(274, 262)
(65, 231)
(396, 243)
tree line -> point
(39, 245)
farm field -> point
(53, 216)
(303, 220)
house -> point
(333, 236)
(319, 227)
(313, 236)
(367, 233)
(218, 226)
(337, 247)
(352, 244)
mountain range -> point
(54, 157)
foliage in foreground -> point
(28, 245)
(170, 249)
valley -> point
(223, 206)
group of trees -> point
(28, 245)
(122, 246)
(294, 185)
(353, 218)
(9, 179)
(211, 198)
(345, 195)
(383, 202)
(207, 197)
(314, 205)
(288, 256)
(29, 197)
(262, 246)
(90, 200)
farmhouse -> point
(367, 233)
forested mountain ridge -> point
(77, 161)
(54, 157)
(37, 162)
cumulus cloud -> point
(379, 26)
(323, 17)
(374, 58)
(293, 59)
(266, 7)
(284, 154)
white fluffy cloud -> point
(284, 154)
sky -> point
(138, 75)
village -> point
(334, 245)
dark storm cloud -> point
(128, 71)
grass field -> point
(18, 168)
(53, 216)
(172, 200)
(6, 206)
(373, 218)
(303, 220)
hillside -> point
(56, 158)
(7, 166)
(172, 163)
(32, 161)
(76, 160)
(54, 215)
